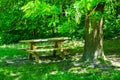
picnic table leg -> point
(62, 52)
(31, 48)
(54, 51)
(30, 56)
(36, 56)
(57, 45)
(61, 49)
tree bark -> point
(93, 48)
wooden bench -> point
(62, 50)
(34, 49)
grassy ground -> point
(14, 64)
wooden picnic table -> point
(57, 45)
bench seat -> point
(48, 46)
(50, 49)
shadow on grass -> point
(52, 68)
(14, 64)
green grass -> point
(11, 52)
(53, 72)
(15, 66)
(112, 47)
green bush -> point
(9, 38)
(112, 29)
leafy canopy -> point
(37, 8)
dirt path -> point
(115, 60)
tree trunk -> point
(93, 49)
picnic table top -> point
(47, 39)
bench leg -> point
(30, 57)
(57, 45)
(54, 51)
(36, 57)
(32, 47)
(62, 53)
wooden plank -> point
(44, 46)
(45, 40)
(45, 50)
(41, 50)
(59, 39)
(34, 40)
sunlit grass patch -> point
(11, 52)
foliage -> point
(38, 8)
(112, 20)
(51, 18)
(9, 38)
(112, 30)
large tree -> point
(93, 10)
(93, 49)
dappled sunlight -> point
(76, 57)
(4, 57)
(8, 46)
(75, 43)
(116, 64)
(77, 70)
(115, 60)
(18, 66)
(53, 72)
(13, 74)
(21, 68)
(15, 46)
